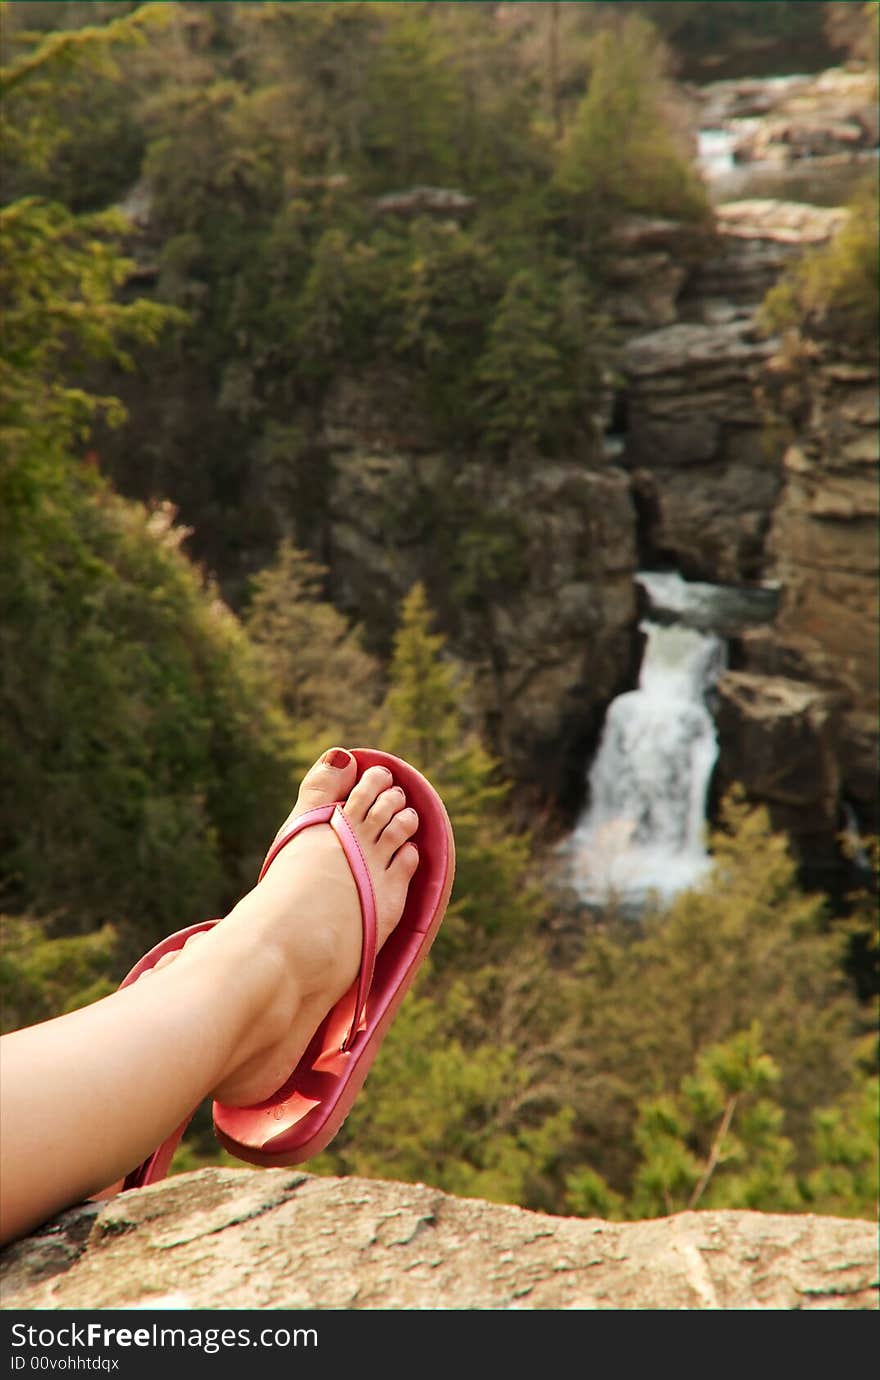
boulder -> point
(283, 1239)
(778, 739)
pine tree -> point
(620, 152)
(326, 681)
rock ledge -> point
(272, 1239)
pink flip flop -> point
(302, 1117)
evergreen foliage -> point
(145, 761)
(42, 976)
(328, 684)
(619, 153)
(834, 292)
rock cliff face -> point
(751, 461)
(271, 1239)
(811, 116)
(704, 473)
(822, 548)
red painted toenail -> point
(337, 758)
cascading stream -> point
(644, 828)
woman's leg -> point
(86, 1097)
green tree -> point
(833, 292)
(619, 154)
(146, 763)
(537, 373)
(846, 1146)
(716, 1143)
(42, 975)
(328, 684)
(748, 946)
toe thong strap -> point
(333, 815)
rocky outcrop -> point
(693, 437)
(554, 643)
(822, 548)
(803, 138)
(653, 259)
(833, 112)
(779, 740)
(273, 1239)
(835, 94)
(757, 239)
(694, 446)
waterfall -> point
(643, 829)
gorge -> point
(714, 449)
(720, 498)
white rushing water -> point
(643, 830)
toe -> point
(330, 779)
(404, 863)
(401, 827)
(384, 808)
(364, 795)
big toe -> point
(330, 779)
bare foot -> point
(294, 941)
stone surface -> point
(780, 222)
(778, 738)
(271, 1239)
(822, 548)
(794, 117)
(693, 442)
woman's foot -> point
(292, 945)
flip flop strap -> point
(333, 815)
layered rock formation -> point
(271, 1239)
(754, 460)
(780, 740)
(802, 137)
(823, 549)
(704, 472)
